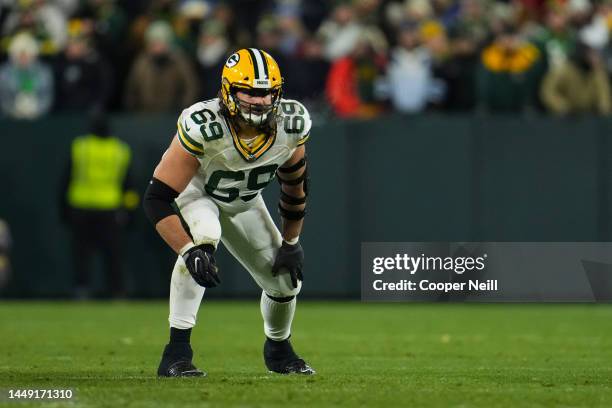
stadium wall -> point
(397, 178)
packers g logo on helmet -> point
(232, 60)
(255, 72)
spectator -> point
(433, 36)
(509, 74)
(161, 78)
(409, 71)
(291, 33)
(351, 80)
(369, 12)
(471, 23)
(310, 70)
(340, 33)
(187, 24)
(581, 85)
(67, 7)
(26, 85)
(155, 10)
(447, 12)
(458, 71)
(224, 14)
(83, 78)
(96, 191)
(246, 15)
(213, 49)
(591, 23)
(270, 38)
(313, 12)
(606, 11)
(43, 20)
(556, 39)
(417, 12)
(109, 25)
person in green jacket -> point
(509, 72)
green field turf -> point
(366, 355)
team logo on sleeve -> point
(232, 60)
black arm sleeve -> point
(157, 202)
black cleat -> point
(176, 362)
(280, 358)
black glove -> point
(290, 257)
(202, 266)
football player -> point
(206, 189)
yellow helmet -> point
(255, 72)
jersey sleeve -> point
(305, 134)
(189, 134)
(297, 120)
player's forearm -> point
(292, 205)
(157, 203)
(172, 231)
(291, 229)
(292, 210)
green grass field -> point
(365, 354)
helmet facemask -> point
(256, 114)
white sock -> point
(277, 317)
(185, 297)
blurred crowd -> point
(351, 58)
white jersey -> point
(230, 170)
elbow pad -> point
(157, 202)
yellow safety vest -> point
(99, 166)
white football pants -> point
(249, 233)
